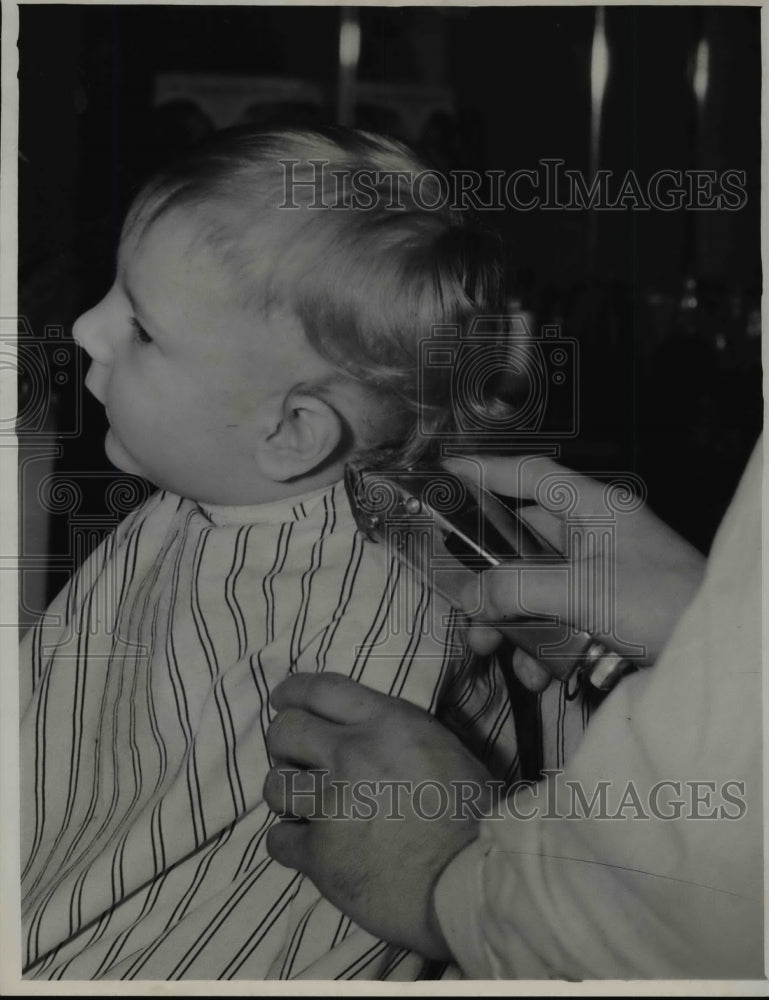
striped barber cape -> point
(145, 703)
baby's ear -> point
(305, 434)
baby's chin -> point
(120, 457)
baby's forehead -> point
(180, 232)
(178, 254)
(182, 259)
(238, 245)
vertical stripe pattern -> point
(143, 738)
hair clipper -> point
(449, 530)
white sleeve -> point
(662, 876)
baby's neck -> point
(269, 491)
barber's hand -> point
(378, 869)
(651, 576)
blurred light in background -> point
(599, 74)
(349, 39)
(349, 54)
(701, 71)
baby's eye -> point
(140, 334)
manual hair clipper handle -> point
(565, 653)
(505, 536)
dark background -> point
(670, 373)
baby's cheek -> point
(243, 404)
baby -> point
(259, 333)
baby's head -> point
(266, 316)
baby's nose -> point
(90, 333)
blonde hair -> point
(369, 275)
